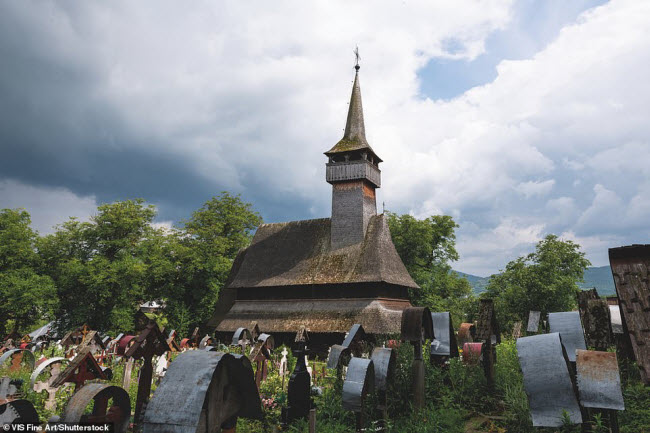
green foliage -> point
(201, 253)
(510, 386)
(106, 260)
(427, 247)
(457, 399)
(545, 280)
(119, 260)
(26, 297)
(636, 416)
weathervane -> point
(357, 57)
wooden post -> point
(144, 386)
(418, 383)
(613, 421)
(312, 421)
(126, 379)
(359, 419)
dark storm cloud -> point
(58, 131)
(112, 100)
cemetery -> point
(247, 384)
(314, 331)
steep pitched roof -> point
(354, 137)
(299, 253)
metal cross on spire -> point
(357, 58)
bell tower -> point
(353, 171)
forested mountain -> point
(599, 277)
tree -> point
(26, 298)
(545, 280)
(106, 268)
(101, 267)
(427, 247)
(203, 251)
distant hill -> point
(478, 283)
(599, 277)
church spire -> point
(353, 171)
(354, 137)
(355, 129)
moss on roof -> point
(346, 145)
(299, 253)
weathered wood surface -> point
(594, 313)
(487, 327)
(631, 270)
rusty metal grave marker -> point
(568, 325)
(444, 345)
(299, 390)
(51, 368)
(18, 358)
(599, 383)
(18, 412)
(124, 344)
(118, 413)
(547, 380)
(416, 328)
(203, 392)
(631, 268)
(261, 354)
(149, 343)
(466, 333)
(185, 344)
(533, 322)
(473, 353)
(82, 368)
(359, 382)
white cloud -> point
(533, 188)
(605, 210)
(250, 96)
(487, 251)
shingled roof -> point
(299, 253)
(354, 137)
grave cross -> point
(148, 343)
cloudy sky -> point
(518, 118)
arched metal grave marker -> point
(416, 328)
(202, 392)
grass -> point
(457, 400)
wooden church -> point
(323, 274)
